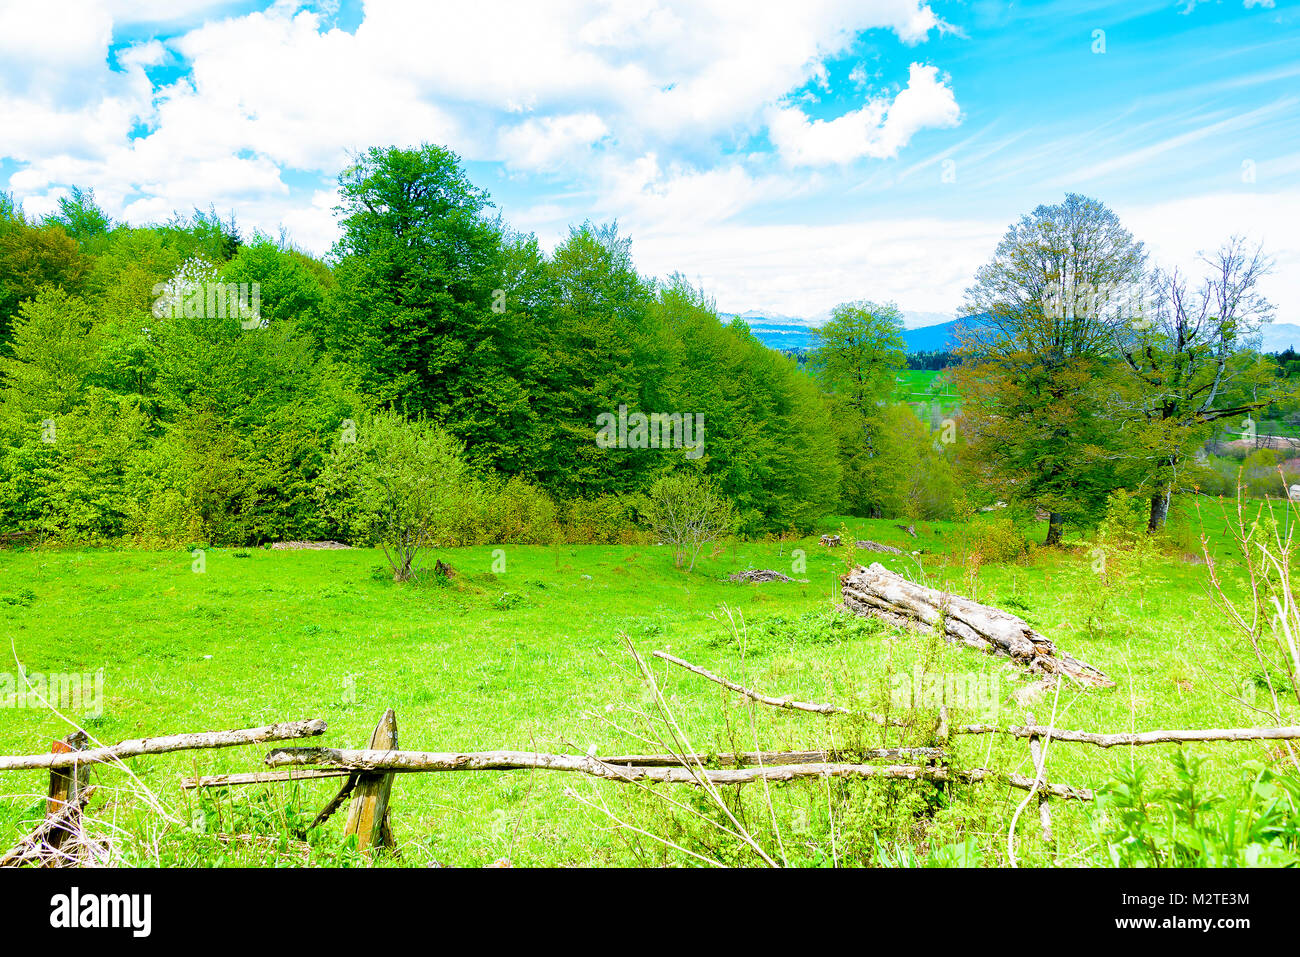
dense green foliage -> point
(179, 383)
(135, 405)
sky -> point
(785, 156)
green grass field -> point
(532, 659)
(919, 386)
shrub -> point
(994, 539)
(401, 484)
(686, 511)
(1185, 824)
(513, 512)
(606, 520)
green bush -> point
(1185, 824)
(606, 520)
(402, 485)
(995, 539)
(513, 512)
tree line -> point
(139, 402)
(131, 409)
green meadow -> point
(534, 656)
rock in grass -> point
(759, 575)
(877, 547)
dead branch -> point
(786, 702)
(369, 760)
(1154, 737)
(176, 742)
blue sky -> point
(788, 157)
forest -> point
(136, 409)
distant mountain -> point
(788, 333)
(940, 338)
(794, 333)
(783, 333)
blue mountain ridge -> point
(787, 335)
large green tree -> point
(858, 355)
(1035, 360)
(420, 311)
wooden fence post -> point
(1040, 777)
(66, 785)
(368, 813)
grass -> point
(925, 386)
(531, 658)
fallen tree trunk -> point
(372, 759)
(878, 592)
(162, 745)
(745, 758)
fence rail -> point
(369, 772)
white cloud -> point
(549, 142)
(879, 129)
(924, 264)
(1178, 232)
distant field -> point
(532, 659)
(928, 388)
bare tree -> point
(1188, 355)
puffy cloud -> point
(642, 105)
(531, 85)
(805, 270)
(547, 143)
(879, 129)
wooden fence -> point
(369, 772)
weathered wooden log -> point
(878, 592)
(603, 768)
(260, 777)
(369, 809)
(750, 758)
(65, 789)
(869, 546)
(1139, 738)
(163, 745)
(743, 759)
